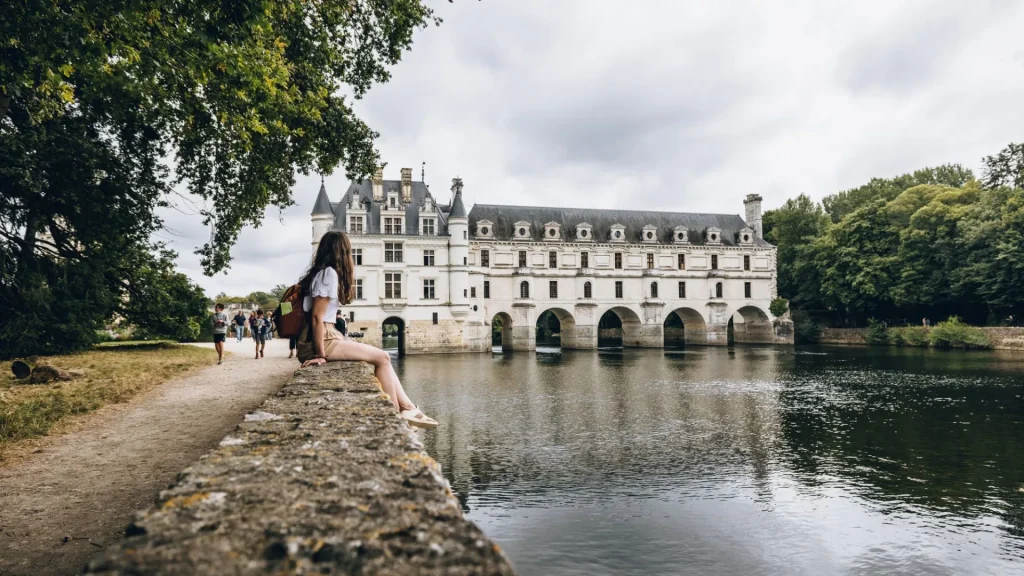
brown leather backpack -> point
(289, 317)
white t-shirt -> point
(325, 284)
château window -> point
(682, 289)
(351, 315)
(524, 289)
(428, 257)
(746, 262)
(472, 291)
(746, 289)
(584, 260)
(522, 258)
(552, 259)
(392, 225)
(429, 226)
(618, 260)
(618, 288)
(359, 288)
(718, 290)
(587, 290)
(487, 288)
(355, 225)
(392, 252)
(714, 261)
(433, 318)
(553, 289)
(357, 255)
(485, 258)
(650, 261)
(428, 288)
(682, 261)
(654, 289)
(392, 285)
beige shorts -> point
(332, 337)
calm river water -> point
(735, 461)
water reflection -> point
(746, 460)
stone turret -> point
(752, 204)
(458, 252)
(322, 215)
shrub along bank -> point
(952, 333)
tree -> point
(167, 304)
(793, 228)
(96, 97)
(840, 204)
(1006, 168)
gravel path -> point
(86, 483)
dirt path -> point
(87, 482)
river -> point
(746, 460)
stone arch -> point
(503, 319)
(685, 326)
(394, 321)
(623, 319)
(752, 325)
(567, 326)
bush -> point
(877, 334)
(778, 307)
(953, 333)
(805, 329)
(913, 336)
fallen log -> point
(45, 374)
(21, 368)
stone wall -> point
(323, 479)
(1001, 338)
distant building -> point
(444, 275)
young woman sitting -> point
(330, 283)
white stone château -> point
(642, 278)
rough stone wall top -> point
(323, 479)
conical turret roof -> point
(323, 203)
(458, 210)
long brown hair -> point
(334, 251)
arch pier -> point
(752, 326)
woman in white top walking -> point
(329, 283)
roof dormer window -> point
(680, 235)
(522, 230)
(617, 233)
(649, 235)
(713, 236)
(584, 232)
(552, 232)
(484, 229)
(745, 237)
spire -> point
(323, 203)
(457, 210)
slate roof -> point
(364, 189)
(323, 203)
(505, 217)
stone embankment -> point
(323, 479)
(1001, 338)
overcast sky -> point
(673, 105)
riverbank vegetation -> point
(110, 374)
(919, 248)
(105, 119)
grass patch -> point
(113, 373)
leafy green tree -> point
(840, 204)
(166, 304)
(793, 228)
(1006, 168)
(99, 99)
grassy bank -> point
(112, 373)
(952, 333)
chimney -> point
(407, 185)
(752, 203)
(378, 185)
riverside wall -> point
(1002, 338)
(324, 478)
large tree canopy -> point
(107, 107)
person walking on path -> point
(220, 331)
(252, 325)
(260, 333)
(329, 283)
(239, 325)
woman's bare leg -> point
(346, 350)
